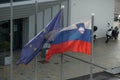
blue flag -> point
(33, 47)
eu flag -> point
(33, 47)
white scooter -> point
(112, 33)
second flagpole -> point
(36, 65)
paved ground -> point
(98, 76)
(105, 55)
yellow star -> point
(35, 49)
(30, 45)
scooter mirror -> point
(108, 24)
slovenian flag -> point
(75, 38)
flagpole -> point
(61, 68)
(36, 65)
(11, 39)
(92, 56)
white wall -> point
(103, 9)
(117, 6)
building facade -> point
(24, 18)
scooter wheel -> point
(106, 41)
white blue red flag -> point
(75, 38)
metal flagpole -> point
(61, 68)
(11, 39)
(92, 56)
(36, 10)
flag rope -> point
(86, 62)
